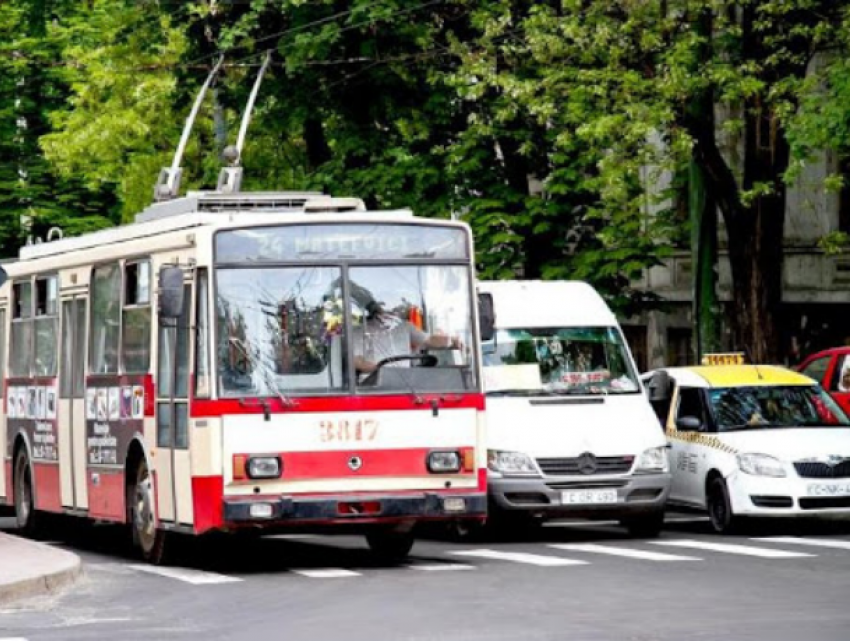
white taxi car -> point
(752, 440)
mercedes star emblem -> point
(587, 463)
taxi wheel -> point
(720, 513)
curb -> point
(65, 569)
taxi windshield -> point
(555, 361)
(774, 406)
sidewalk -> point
(29, 568)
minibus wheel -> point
(25, 515)
(390, 545)
(151, 541)
(644, 526)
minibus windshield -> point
(548, 361)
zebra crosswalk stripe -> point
(441, 567)
(519, 557)
(327, 573)
(799, 540)
(731, 548)
(631, 553)
(187, 575)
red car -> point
(831, 368)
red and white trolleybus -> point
(245, 360)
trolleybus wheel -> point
(25, 515)
(644, 526)
(389, 544)
(148, 539)
(720, 514)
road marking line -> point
(441, 567)
(626, 552)
(519, 557)
(800, 540)
(327, 573)
(187, 575)
(729, 548)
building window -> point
(679, 346)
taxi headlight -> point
(653, 460)
(510, 463)
(761, 465)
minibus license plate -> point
(576, 497)
(828, 489)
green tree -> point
(33, 196)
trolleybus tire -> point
(152, 542)
(723, 520)
(644, 526)
(25, 514)
(389, 544)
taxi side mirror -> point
(688, 424)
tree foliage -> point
(551, 127)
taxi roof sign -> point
(730, 358)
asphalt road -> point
(572, 582)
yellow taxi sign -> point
(731, 358)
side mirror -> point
(170, 292)
(3, 276)
(688, 424)
(486, 316)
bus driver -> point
(383, 334)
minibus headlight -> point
(264, 467)
(443, 462)
(761, 465)
(653, 460)
(510, 463)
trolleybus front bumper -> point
(359, 509)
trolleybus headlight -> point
(443, 462)
(653, 460)
(264, 467)
(761, 465)
(511, 463)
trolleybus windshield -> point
(327, 309)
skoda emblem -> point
(355, 463)
(834, 460)
(587, 463)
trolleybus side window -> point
(46, 326)
(136, 318)
(202, 352)
(21, 343)
(105, 319)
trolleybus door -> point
(5, 492)
(72, 412)
(172, 460)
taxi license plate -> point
(828, 489)
(576, 497)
